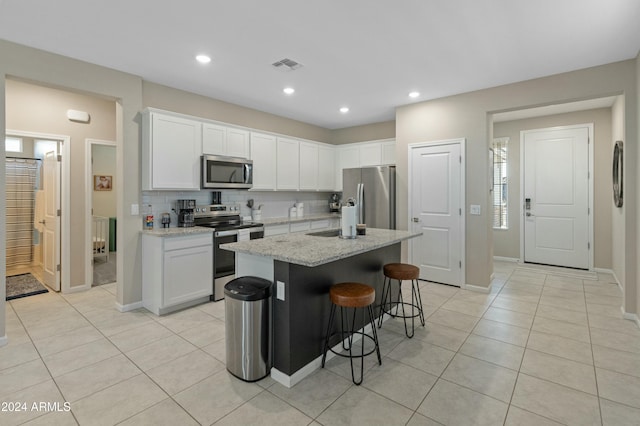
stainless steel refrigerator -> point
(374, 190)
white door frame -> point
(65, 201)
(590, 185)
(462, 142)
(88, 197)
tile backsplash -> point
(274, 204)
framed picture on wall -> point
(102, 183)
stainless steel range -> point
(229, 228)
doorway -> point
(101, 220)
(436, 188)
(35, 197)
(557, 196)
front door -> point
(436, 211)
(556, 196)
(51, 234)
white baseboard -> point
(631, 317)
(76, 289)
(477, 288)
(620, 286)
(129, 307)
(506, 259)
(3, 340)
(295, 378)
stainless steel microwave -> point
(220, 172)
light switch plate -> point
(475, 209)
(135, 209)
(279, 290)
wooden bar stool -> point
(352, 295)
(401, 272)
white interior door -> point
(436, 211)
(556, 197)
(51, 234)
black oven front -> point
(224, 261)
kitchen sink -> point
(327, 233)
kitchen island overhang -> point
(303, 268)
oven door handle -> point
(226, 233)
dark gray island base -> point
(303, 268)
(300, 321)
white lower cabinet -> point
(320, 224)
(176, 271)
(299, 226)
(270, 230)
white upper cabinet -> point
(223, 140)
(389, 152)
(237, 143)
(363, 155)
(263, 154)
(172, 145)
(288, 164)
(370, 155)
(309, 166)
(347, 157)
(214, 139)
(171, 150)
(326, 168)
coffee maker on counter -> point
(334, 203)
(185, 209)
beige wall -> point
(27, 148)
(637, 191)
(618, 240)
(35, 108)
(170, 99)
(369, 132)
(104, 163)
(507, 242)
(469, 116)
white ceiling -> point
(364, 54)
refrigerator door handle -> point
(361, 203)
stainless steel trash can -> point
(248, 327)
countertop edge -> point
(325, 260)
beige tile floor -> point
(539, 349)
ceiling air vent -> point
(286, 64)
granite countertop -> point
(177, 232)
(311, 217)
(308, 250)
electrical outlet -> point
(279, 290)
(475, 209)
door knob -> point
(42, 222)
(416, 219)
(529, 214)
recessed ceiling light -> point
(203, 59)
(289, 90)
(344, 110)
(414, 94)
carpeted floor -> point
(104, 272)
(23, 285)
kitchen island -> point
(303, 268)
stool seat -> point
(401, 271)
(352, 295)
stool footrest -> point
(347, 355)
(383, 310)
